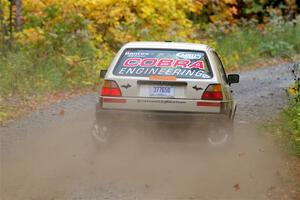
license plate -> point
(162, 91)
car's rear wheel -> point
(220, 136)
(101, 135)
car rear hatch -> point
(161, 80)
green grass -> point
(30, 71)
(287, 129)
(245, 45)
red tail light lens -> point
(110, 88)
(213, 92)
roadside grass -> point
(42, 69)
(286, 132)
(28, 74)
(291, 128)
(286, 129)
(248, 43)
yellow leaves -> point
(31, 36)
(214, 18)
(222, 11)
(233, 10)
(73, 60)
(230, 2)
(196, 7)
(91, 28)
(120, 21)
(293, 91)
(88, 83)
(231, 60)
(145, 12)
(3, 116)
(34, 5)
(114, 22)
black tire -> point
(221, 136)
(101, 136)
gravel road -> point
(49, 154)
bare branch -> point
(2, 27)
(18, 22)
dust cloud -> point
(65, 163)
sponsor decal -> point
(163, 78)
(164, 62)
(166, 73)
(160, 101)
(191, 56)
(163, 65)
(136, 54)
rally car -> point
(181, 84)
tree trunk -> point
(10, 25)
(2, 27)
(18, 22)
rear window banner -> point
(154, 62)
(145, 63)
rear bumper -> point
(136, 117)
(162, 104)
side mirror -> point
(103, 73)
(233, 78)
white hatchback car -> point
(181, 84)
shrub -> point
(290, 128)
(249, 42)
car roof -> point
(167, 45)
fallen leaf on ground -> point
(242, 154)
(237, 187)
(251, 176)
(271, 187)
(261, 150)
(62, 112)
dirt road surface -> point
(49, 155)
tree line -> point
(15, 13)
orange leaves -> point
(31, 36)
(237, 187)
(233, 10)
(121, 21)
(62, 112)
(114, 22)
(230, 1)
(220, 12)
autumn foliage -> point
(64, 43)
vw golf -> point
(179, 84)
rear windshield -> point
(154, 62)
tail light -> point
(213, 92)
(110, 88)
